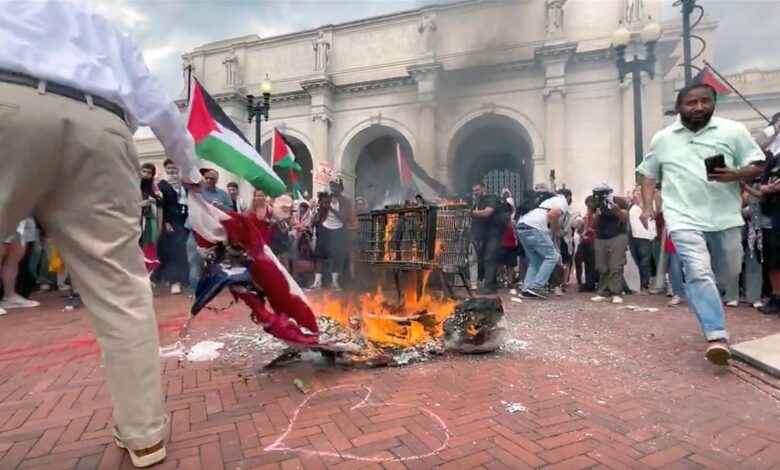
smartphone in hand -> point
(714, 162)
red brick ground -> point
(602, 388)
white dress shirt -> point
(64, 42)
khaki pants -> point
(610, 261)
(76, 169)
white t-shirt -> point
(637, 229)
(774, 147)
(331, 221)
(537, 218)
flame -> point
(384, 324)
(471, 330)
(438, 247)
(389, 226)
(450, 202)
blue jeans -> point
(194, 260)
(540, 255)
(709, 259)
(675, 270)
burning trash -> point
(476, 326)
(368, 329)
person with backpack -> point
(538, 231)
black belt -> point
(62, 90)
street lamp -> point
(688, 6)
(620, 40)
(259, 110)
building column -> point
(540, 172)
(321, 145)
(321, 92)
(554, 55)
(426, 76)
(555, 111)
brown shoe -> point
(143, 458)
(718, 353)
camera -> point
(602, 198)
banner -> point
(323, 173)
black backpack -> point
(532, 200)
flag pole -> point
(189, 82)
(747, 102)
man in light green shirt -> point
(702, 211)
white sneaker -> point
(175, 288)
(2, 311)
(558, 292)
(617, 299)
(17, 301)
(676, 300)
(733, 303)
(315, 286)
(335, 285)
(758, 304)
(599, 298)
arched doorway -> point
(374, 151)
(302, 156)
(494, 149)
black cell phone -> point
(713, 162)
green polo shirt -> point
(677, 158)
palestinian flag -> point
(219, 141)
(282, 155)
(295, 186)
(708, 77)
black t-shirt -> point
(770, 203)
(490, 226)
(608, 224)
(173, 212)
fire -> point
(383, 323)
(389, 226)
(450, 202)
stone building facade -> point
(481, 89)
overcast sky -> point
(165, 29)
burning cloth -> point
(259, 279)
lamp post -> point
(620, 40)
(259, 110)
(687, 8)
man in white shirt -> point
(539, 232)
(332, 236)
(72, 92)
(641, 242)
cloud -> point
(744, 35)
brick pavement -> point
(601, 388)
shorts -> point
(330, 244)
(565, 255)
(771, 244)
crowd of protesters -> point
(539, 246)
